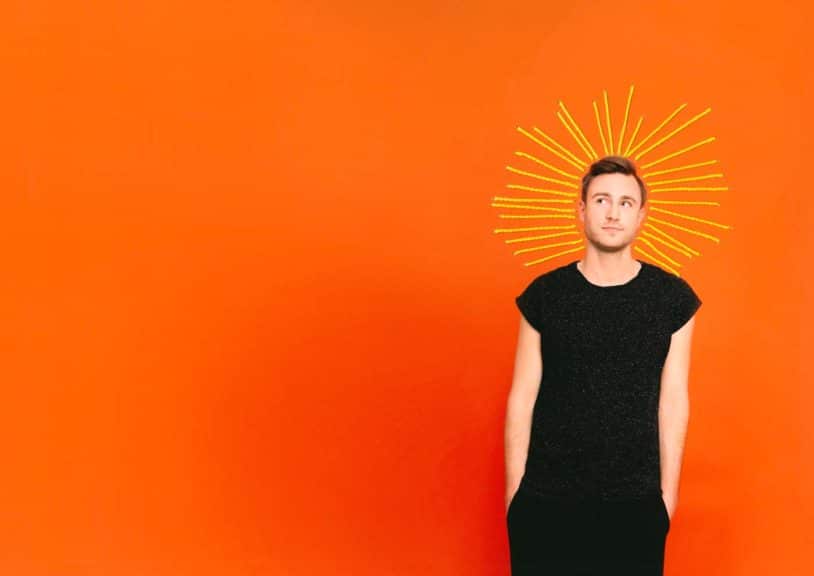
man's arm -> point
(528, 370)
(674, 412)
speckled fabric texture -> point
(595, 430)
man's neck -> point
(608, 268)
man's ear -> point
(641, 215)
(581, 211)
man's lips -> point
(610, 228)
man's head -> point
(612, 203)
(613, 165)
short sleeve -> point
(531, 303)
(684, 303)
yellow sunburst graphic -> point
(673, 185)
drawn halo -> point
(664, 173)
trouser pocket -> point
(665, 514)
(513, 502)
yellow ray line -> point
(608, 120)
(674, 132)
(542, 190)
(690, 189)
(528, 207)
(574, 136)
(550, 149)
(569, 251)
(599, 126)
(515, 199)
(532, 229)
(655, 260)
(672, 239)
(539, 177)
(547, 246)
(687, 179)
(691, 218)
(547, 165)
(659, 127)
(624, 123)
(529, 216)
(687, 202)
(688, 230)
(580, 164)
(633, 136)
(540, 237)
(659, 252)
(657, 239)
(669, 170)
(576, 127)
(679, 153)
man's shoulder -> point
(554, 277)
(657, 272)
(664, 278)
(664, 273)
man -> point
(598, 408)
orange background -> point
(254, 318)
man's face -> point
(612, 211)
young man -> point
(598, 408)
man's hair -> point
(612, 165)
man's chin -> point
(610, 248)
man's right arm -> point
(528, 370)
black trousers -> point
(555, 537)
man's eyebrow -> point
(624, 196)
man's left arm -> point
(674, 412)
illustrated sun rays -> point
(551, 178)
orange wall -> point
(254, 318)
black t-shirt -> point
(595, 430)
